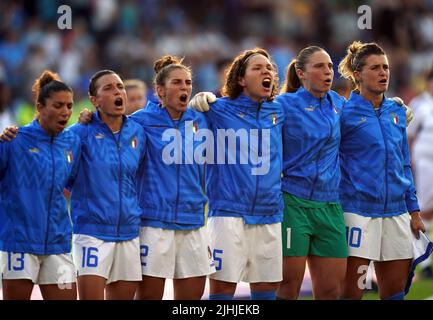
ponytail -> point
(292, 82)
(355, 59)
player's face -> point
(176, 91)
(374, 77)
(110, 97)
(136, 100)
(54, 115)
(318, 74)
(259, 77)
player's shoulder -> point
(133, 125)
(336, 97)
(196, 115)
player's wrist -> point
(415, 215)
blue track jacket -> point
(245, 179)
(376, 174)
(34, 170)
(311, 139)
(104, 202)
(171, 181)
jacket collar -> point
(37, 129)
(98, 120)
(244, 101)
(307, 96)
(360, 101)
(162, 111)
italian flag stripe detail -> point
(134, 142)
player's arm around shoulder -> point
(80, 130)
(338, 101)
(75, 158)
(9, 133)
(201, 120)
(202, 101)
(142, 141)
(294, 109)
(141, 116)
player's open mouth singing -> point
(183, 98)
(266, 83)
(63, 123)
(118, 102)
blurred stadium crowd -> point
(129, 35)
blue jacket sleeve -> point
(74, 170)
(411, 199)
(139, 116)
(213, 112)
(4, 157)
(144, 147)
(81, 131)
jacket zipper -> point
(117, 142)
(318, 155)
(386, 160)
(177, 181)
(51, 194)
(120, 180)
(176, 126)
(258, 153)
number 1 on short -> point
(289, 236)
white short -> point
(379, 239)
(40, 269)
(113, 261)
(244, 252)
(175, 254)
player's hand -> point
(409, 113)
(416, 224)
(9, 133)
(201, 101)
(85, 116)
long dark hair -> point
(236, 70)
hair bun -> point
(166, 61)
(354, 47)
(45, 78)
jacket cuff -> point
(412, 205)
